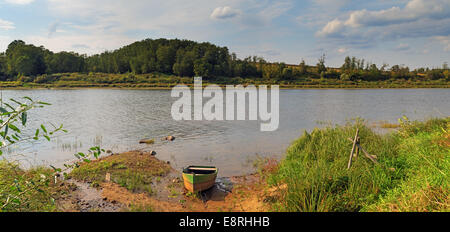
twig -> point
(367, 154)
(7, 201)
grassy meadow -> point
(132, 171)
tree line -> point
(187, 59)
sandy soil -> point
(234, 194)
(245, 196)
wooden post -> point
(366, 154)
(358, 142)
(353, 149)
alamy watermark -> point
(213, 109)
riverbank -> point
(127, 182)
(411, 174)
(164, 81)
(137, 181)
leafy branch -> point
(12, 119)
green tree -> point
(321, 65)
(302, 68)
(25, 59)
(184, 65)
(435, 74)
(165, 58)
(64, 62)
(3, 67)
(347, 66)
(202, 68)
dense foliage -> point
(183, 58)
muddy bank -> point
(85, 198)
(137, 181)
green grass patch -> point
(28, 190)
(412, 174)
(133, 170)
(138, 208)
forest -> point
(184, 58)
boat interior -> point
(199, 170)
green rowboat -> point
(199, 178)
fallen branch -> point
(371, 157)
(353, 149)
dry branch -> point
(371, 157)
(353, 149)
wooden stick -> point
(353, 149)
(368, 155)
(371, 157)
(358, 140)
(108, 177)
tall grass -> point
(27, 190)
(412, 174)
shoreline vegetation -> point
(411, 175)
(164, 63)
(164, 82)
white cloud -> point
(225, 12)
(321, 12)
(342, 50)
(332, 28)
(402, 47)
(444, 40)
(91, 29)
(4, 42)
(53, 28)
(6, 25)
(270, 53)
(19, 2)
(85, 44)
(415, 10)
(418, 18)
(136, 19)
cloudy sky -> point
(411, 32)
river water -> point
(117, 119)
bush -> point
(43, 79)
(25, 79)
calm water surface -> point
(118, 119)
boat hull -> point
(199, 182)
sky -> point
(415, 33)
